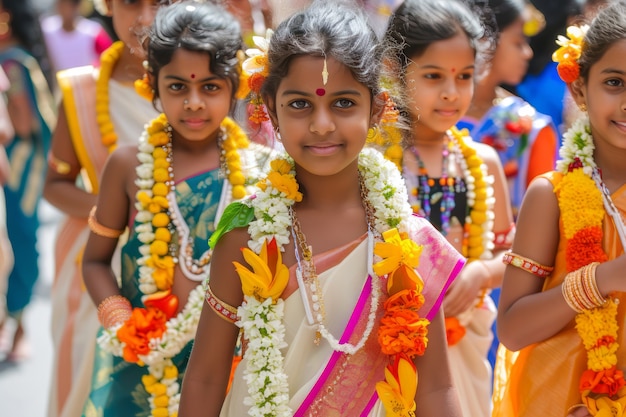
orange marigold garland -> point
(602, 385)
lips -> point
(323, 149)
(447, 112)
(194, 123)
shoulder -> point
(124, 157)
(487, 153)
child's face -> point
(323, 127)
(510, 61)
(440, 84)
(605, 97)
(194, 99)
(131, 20)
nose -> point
(450, 91)
(193, 102)
(322, 122)
(527, 51)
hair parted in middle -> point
(195, 26)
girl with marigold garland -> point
(99, 111)
(343, 280)
(562, 309)
(454, 182)
(169, 190)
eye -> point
(614, 82)
(432, 76)
(344, 103)
(176, 86)
(211, 87)
(466, 76)
(299, 104)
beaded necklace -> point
(448, 185)
(108, 59)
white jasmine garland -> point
(262, 323)
(577, 143)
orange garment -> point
(542, 379)
(542, 153)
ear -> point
(378, 107)
(578, 92)
(270, 107)
(109, 4)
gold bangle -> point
(99, 229)
(225, 311)
(57, 165)
(527, 264)
(113, 310)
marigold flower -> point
(454, 331)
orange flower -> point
(608, 381)
(454, 330)
(568, 71)
(401, 328)
(143, 325)
(585, 247)
(397, 392)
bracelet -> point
(504, 240)
(225, 311)
(580, 289)
(114, 310)
(527, 264)
(99, 229)
(57, 165)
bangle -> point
(527, 264)
(225, 311)
(114, 310)
(580, 289)
(504, 240)
(57, 165)
(99, 229)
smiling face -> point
(440, 85)
(194, 99)
(604, 94)
(322, 126)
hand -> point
(464, 290)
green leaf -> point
(236, 215)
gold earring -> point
(583, 107)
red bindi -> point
(320, 92)
(453, 69)
(193, 76)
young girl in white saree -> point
(338, 286)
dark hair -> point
(505, 12)
(25, 28)
(416, 24)
(329, 29)
(195, 26)
(608, 27)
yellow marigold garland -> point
(582, 214)
(108, 59)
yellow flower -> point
(605, 407)
(570, 45)
(397, 392)
(269, 275)
(580, 202)
(400, 258)
(163, 271)
(285, 183)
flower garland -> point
(402, 333)
(155, 334)
(582, 213)
(108, 59)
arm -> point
(435, 394)
(206, 379)
(19, 105)
(63, 169)
(114, 204)
(484, 273)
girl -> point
(99, 111)
(31, 110)
(322, 293)
(456, 183)
(169, 190)
(526, 141)
(562, 307)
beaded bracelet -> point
(225, 311)
(504, 240)
(519, 261)
(99, 229)
(114, 310)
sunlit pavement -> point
(24, 385)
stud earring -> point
(583, 107)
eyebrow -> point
(336, 93)
(613, 71)
(177, 78)
(439, 67)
